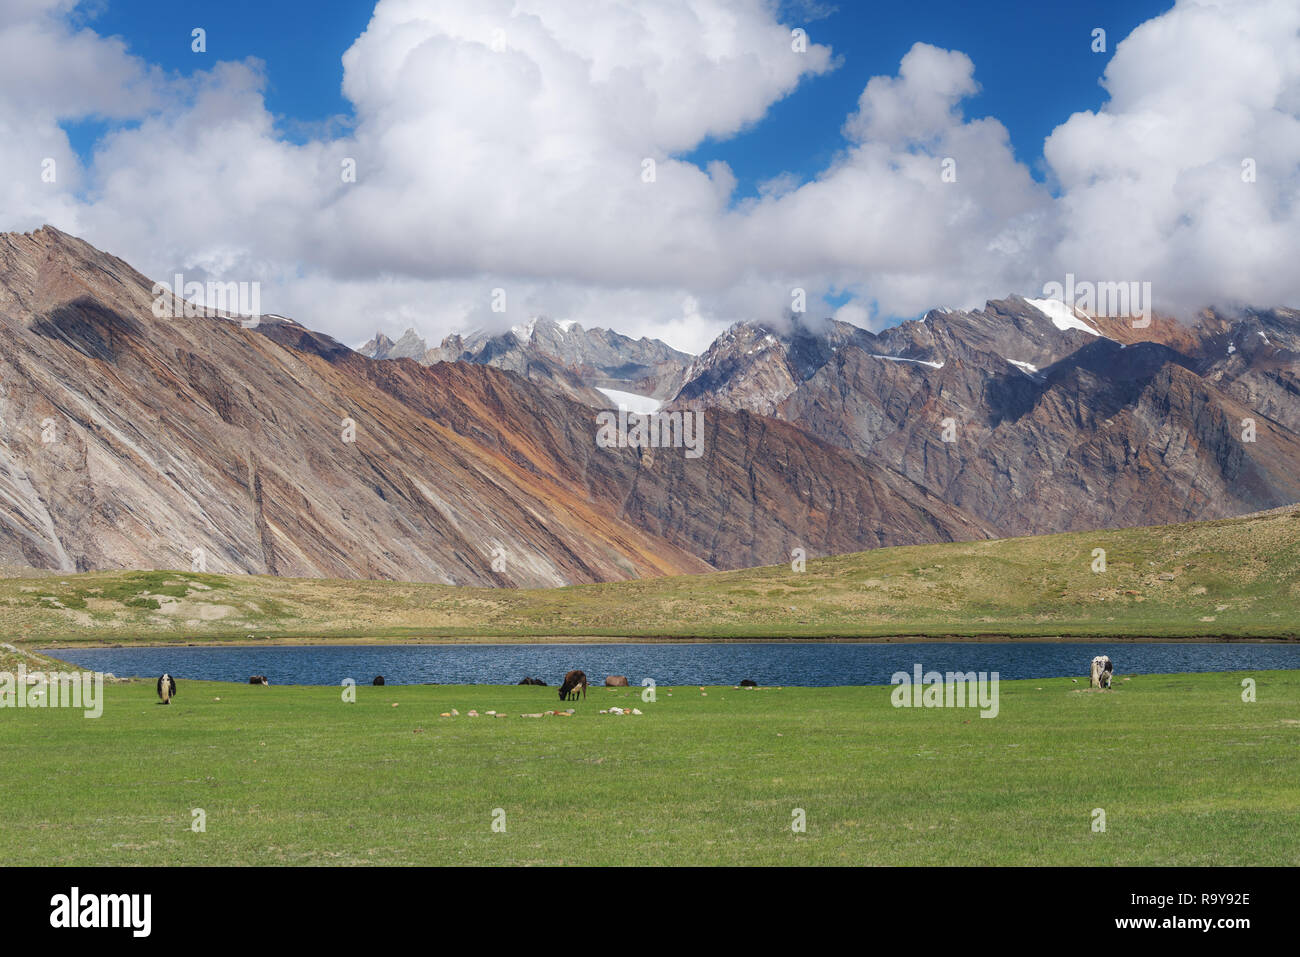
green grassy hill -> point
(1231, 578)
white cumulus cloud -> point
(508, 144)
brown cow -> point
(574, 682)
(616, 681)
(258, 680)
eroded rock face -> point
(130, 441)
(761, 487)
(135, 442)
(1052, 426)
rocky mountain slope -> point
(1036, 419)
(130, 441)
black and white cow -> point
(1102, 671)
(166, 688)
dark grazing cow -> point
(258, 680)
(379, 680)
(749, 683)
(166, 688)
(616, 681)
(574, 682)
(533, 681)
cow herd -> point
(574, 684)
(1100, 675)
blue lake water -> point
(768, 663)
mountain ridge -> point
(271, 448)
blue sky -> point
(1033, 60)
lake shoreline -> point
(794, 663)
(50, 645)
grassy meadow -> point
(1186, 772)
(1231, 578)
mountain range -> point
(133, 441)
(561, 355)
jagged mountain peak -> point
(410, 345)
(559, 354)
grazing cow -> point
(534, 681)
(749, 683)
(574, 682)
(616, 681)
(258, 680)
(166, 688)
(379, 680)
(1101, 673)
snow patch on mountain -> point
(1062, 316)
(920, 362)
(638, 404)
